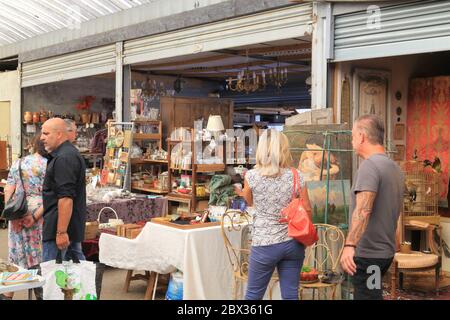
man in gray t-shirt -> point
(376, 203)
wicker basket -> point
(112, 224)
(93, 228)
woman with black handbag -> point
(25, 234)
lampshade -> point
(215, 123)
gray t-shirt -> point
(379, 174)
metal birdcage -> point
(421, 191)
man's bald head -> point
(54, 133)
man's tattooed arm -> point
(360, 217)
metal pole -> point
(119, 82)
(327, 138)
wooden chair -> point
(234, 222)
(420, 212)
(324, 256)
(417, 261)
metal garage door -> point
(418, 27)
(284, 23)
(69, 66)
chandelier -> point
(247, 81)
(250, 81)
(277, 76)
(151, 89)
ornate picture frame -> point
(372, 95)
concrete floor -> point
(113, 280)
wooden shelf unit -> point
(194, 170)
(151, 190)
(140, 137)
(148, 136)
(144, 161)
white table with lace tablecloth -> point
(199, 253)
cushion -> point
(417, 223)
(415, 260)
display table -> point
(199, 253)
(24, 286)
(129, 210)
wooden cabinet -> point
(183, 111)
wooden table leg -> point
(394, 281)
(437, 279)
(155, 286)
(150, 284)
(128, 280)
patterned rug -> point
(419, 286)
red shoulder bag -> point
(300, 226)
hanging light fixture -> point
(278, 76)
(151, 89)
(247, 81)
(178, 85)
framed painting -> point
(338, 201)
(311, 158)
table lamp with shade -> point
(215, 125)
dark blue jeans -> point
(50, 250)
(287, 257)
(364, 279)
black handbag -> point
(16, 207)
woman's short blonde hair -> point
(272, 153)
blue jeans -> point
(287, 257)
(50, 250)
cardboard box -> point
(133, 233)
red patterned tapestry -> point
(428, 123)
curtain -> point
(428, 123)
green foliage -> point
(306, 269)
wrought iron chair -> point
(324, 256)
(236, 233)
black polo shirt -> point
(65, 178)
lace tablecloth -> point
(129, 210)
(199, 253)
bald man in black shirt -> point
(64, 193)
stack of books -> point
(11, 278)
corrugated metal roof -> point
(24, 19)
